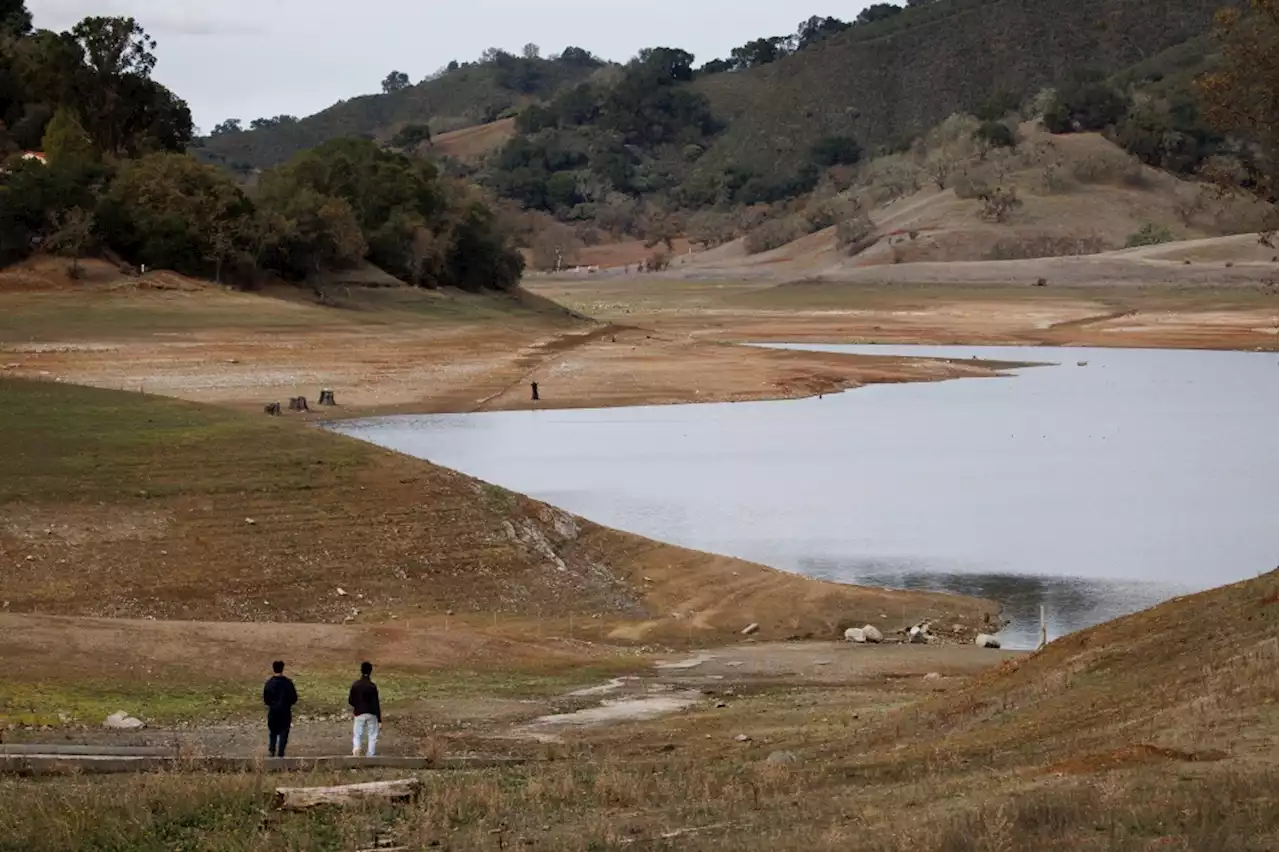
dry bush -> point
(1109, 167)
(710, 228)
(856, 234)
(775, 233)
(969, 186)
(1045, 245)
(1054, 179)
(556, 247)
(832, 211)
(657, 262)
(998, 203)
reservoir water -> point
(1094, 489)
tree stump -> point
(301, 798)
(272, 408)
(298, 403)
(326, 397)
(533, 386)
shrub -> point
(1084, 105)
(835, 151)
(997, 134)
(998, 203)
(774, 233)
(968, 187)
(657, 261)
(1149, 234)
(856, 234)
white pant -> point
(364, 722)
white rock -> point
(342, 592)
(872, 634)
(781, 758)
(742, 738)
(984, 640)
(855, 634)
(750, 628)
(122, 721)
(250, 521)
(933, 676)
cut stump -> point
(302, 798)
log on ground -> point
(301, 798)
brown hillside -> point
(472, 143)
(120, 504)
(1193, 679)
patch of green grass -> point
(174, 698)
(63, 441)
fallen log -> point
(301, 798)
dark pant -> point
(277, 735)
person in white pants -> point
(367, 711)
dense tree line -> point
(596, 138)
(762, 51)
(116, 175)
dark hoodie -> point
(364, 698)
(279, 696)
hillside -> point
(473, 94)
(1079, 199)
(127, 505)
(889, 81)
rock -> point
(933, 676)
(855, 634)
(872, 634)
(122, 721)
(918, 635)
(720, 704)
(742, 738)
(342, 593)
(983, 640)
(750, 628)
(250, 521)
(782, 758)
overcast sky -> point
(250, 58)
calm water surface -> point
(1096, 490)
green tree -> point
(231, 125)
(411, 136)
(15, 20)
(835, 151)
(877, 12)
(396, 81)
(171, 211)
(65, 138)
(304, 232)
(1084, 103)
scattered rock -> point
(750, 628)
(742, 738)
(122, 721)
(855, 634)
(872, 634)
(933, 676)
(884, 615)
(984, 640)
(342, 593)
(782, 758)
(250, 521)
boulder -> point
(984, 640)
(122, 721)
(855, 634)
(872, 634)
(933, 676)
(918, 635)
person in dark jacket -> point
(279, 695)
(363, 699)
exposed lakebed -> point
(1100, 483)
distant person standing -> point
(363, 699)
(279, 695)
(533, 387)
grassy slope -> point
(121, 504)
(1153, 732)
(895, 79)
(458, 99)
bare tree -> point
(71, 235)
